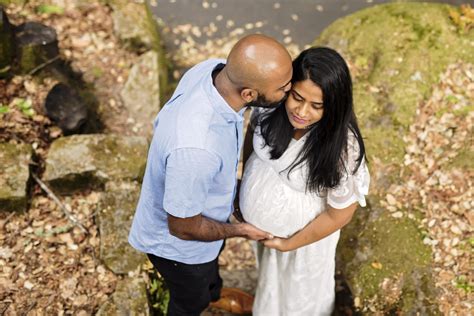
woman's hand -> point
(280, 244)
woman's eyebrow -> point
(299, 95)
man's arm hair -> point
(205, 229)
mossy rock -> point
(89, 161)
(143, 35)
(141, 93)
(130, 23)
(386, 264)
(114, 220)
(129, 299)
(36, 45)
(397, 53)
(14, 175)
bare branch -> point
(59, 203)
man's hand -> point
(277, 243)
(253, 233)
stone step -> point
(14, 174)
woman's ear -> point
(249, 94)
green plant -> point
(25, 106)
(159, 295)
(462, 282)
(49, 9)
(4, 109)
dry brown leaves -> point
(47, 266)
(192, 49)
(50, 267)
(441, 189)
(86, 41)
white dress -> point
(299, 282)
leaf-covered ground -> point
(48, 266)
(437, 182)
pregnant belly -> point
(270, 204)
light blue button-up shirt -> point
(191, 168)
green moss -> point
(400, 49)
(397, 245)
(464, 159)
(97, 159)
(8, 2)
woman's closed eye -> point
(296, 97)
(317, 105)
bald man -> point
(182, 217)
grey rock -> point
(114, 219)
(141, 93)
(66, 108)
(36, 45)
(87, 161)
(131, 24)
(14, 174)
(129, 299)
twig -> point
(46, 63)
(59, 203)
(5, 221)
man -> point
(190, 179)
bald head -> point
(255, 60)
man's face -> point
(263, 102)
(276, 89)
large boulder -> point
(14, 175)
(85, 161)
(129, 299)
(115, 218)
(396, 53)
(141, 93)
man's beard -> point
(262, 102)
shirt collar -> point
(217, 101)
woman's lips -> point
(298, 120)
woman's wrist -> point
(287, 244)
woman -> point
(302, 183)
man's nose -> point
(288, 87)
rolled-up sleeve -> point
(189, 175)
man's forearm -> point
(205, 229)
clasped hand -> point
(278, 243)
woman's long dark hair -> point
(325, 149)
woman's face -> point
(304, 105)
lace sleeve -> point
(353, 187)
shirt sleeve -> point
(189, 174)
(353, 187)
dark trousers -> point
(192, 286)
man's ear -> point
(249, 94)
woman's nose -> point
(301, 111)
